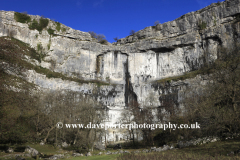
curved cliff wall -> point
(133, 64)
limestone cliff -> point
(132, 64)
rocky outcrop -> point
(133, 64)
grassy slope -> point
(215, 150)
(187, 75)
(10, 46)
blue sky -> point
(113, 18)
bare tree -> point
(156, 23)
(132, 32)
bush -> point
(58, 27)
(33, 25)
(43, 23)
(50, 31)
(100, 37)
(63, 29)
(104, 41)
(35, 55)
(202, 25)
(22, 17)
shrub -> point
(100, 37)
(104, 41)
(202, 25)
(63, 29)
(22, 17)
(50, 31)
(33, 25)
(39, 47)
(58, 27)
(35, 55)
(49, 45)
(43, 23)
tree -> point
(116, 39)
(100, 37)
(132, 32)
(216, 107)
(156, 23)
(127, 117)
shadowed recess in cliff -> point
(130, 95)
(168, 97)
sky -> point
(113, 18)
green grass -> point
(97, 157)
(216, 150)
(46, 149)
(182, 77)
(221, 148)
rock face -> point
(132, 64)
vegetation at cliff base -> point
(27, 114)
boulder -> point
(165, 147)
(108, 153)
(57, 156)
(64, 144)
(77, 154)
(89, 154)
(137, 151)
(126, 152)
(33, 152)
(146, 151)
(10, 150)
(42, 143)
(121, 151)
(158, 149)
(100, 146)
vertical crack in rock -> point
(115, 59)
(99, 64)
(130, 95)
